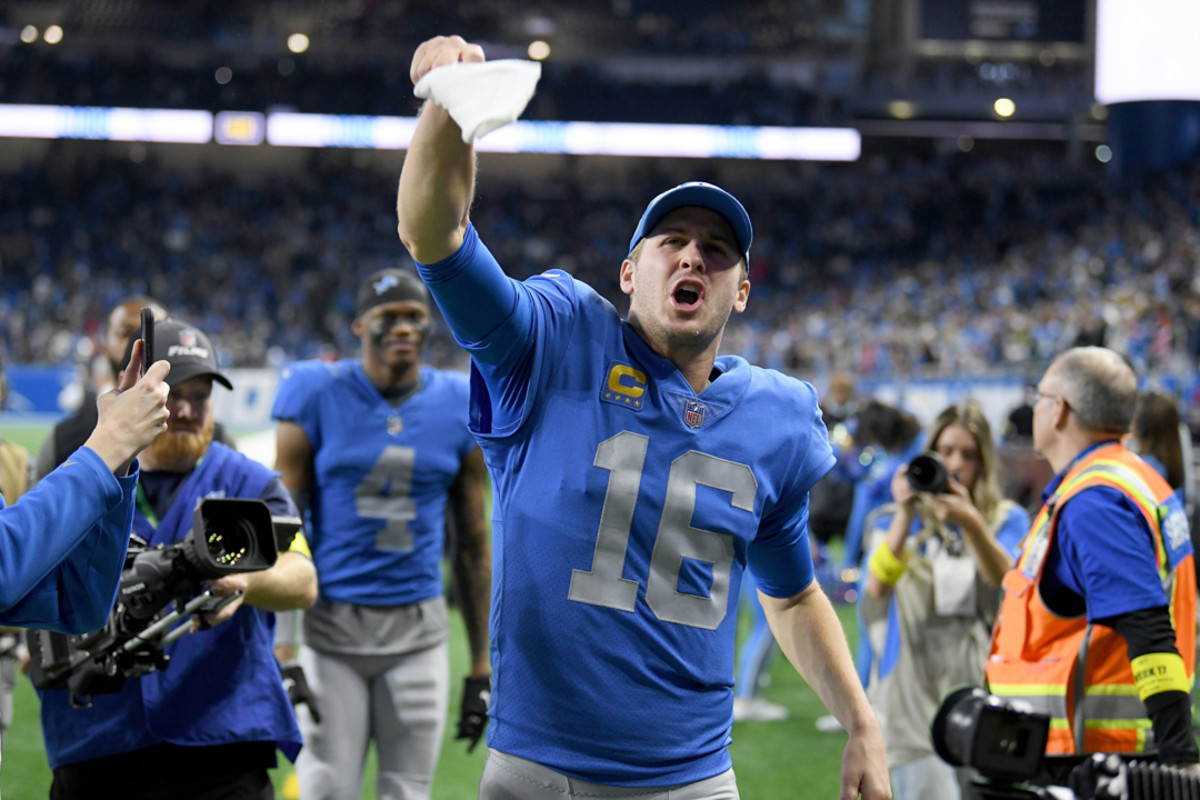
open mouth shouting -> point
(687, 295)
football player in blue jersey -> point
(376, 449)
(208, 727)
(636, 474)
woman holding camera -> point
(938, 554)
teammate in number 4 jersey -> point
(635, 476)
(374, 449)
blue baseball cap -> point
(705, 195)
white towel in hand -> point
(481, 96)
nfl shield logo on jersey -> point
(693, 413)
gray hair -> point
(1100, 386)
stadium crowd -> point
(892, 267)
(579, 91)
(760, 62)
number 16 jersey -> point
(626, 506)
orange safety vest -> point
(1074, 671)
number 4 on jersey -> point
(386, 494)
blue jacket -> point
(222, 686)
(62, 547)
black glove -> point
(298, 690)
(473, 717)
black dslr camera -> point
(927, 473)
(160, 587)
(1005, 750)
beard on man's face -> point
(178, 451)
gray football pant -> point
(399, 701)
(508, 777)
(8, 682)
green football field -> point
(773, 760)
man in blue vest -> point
(207, 726)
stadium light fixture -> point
(1104, 154)
(29, 34)
(106, 124)
(539, 50)
(297, 43)
(290, 129)
(53, 34)
(1004, 107)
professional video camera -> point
(161, 587)
(1005, 747)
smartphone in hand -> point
(147, 339)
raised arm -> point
(881, 580)
(437, 182)
(62, 547)
(132, 415)
(810, 635)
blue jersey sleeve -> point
(297, 398)
(498, 321)
(514, 331)
(783, 566)
(504, 392)
(1106, 554)
(780, 556)
(62, 547)
(477, 298)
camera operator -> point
(207, 726)
(65, 437)
(62, 546)
(938, 554)
(1097, 626)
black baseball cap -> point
(389, 286)
(704, 195)
(186, 348)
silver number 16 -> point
(624, 456)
